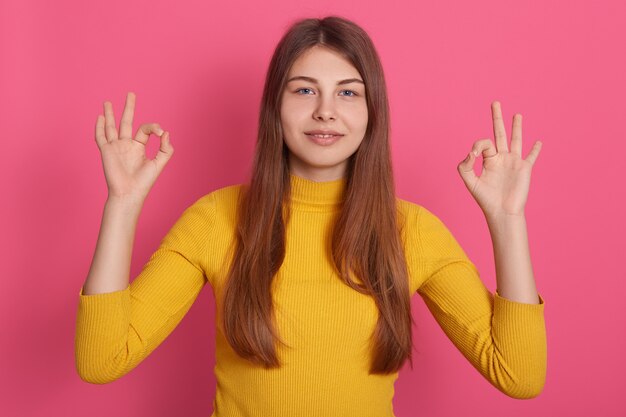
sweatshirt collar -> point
(316, 196)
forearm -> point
(514, 273)
(110, 267)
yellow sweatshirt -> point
(326, 323)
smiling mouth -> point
(323, 140)
(323, 136)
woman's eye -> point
(350, 92)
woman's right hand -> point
(129, 174)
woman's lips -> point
(323, 140)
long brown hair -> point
(366, 238)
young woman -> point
(314, 261)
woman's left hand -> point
(502, 188)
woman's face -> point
(324, 92)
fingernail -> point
(475, 153)
(160, 132)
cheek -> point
(358, 118)
(288, 114)
(288, 126)
(293, 120)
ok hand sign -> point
(129, 174)
(502, 188)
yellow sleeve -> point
(115, 331)
(503, 339)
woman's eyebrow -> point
(313, 80)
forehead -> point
(322, 62)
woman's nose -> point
(325, 109)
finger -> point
(126, 124)
(166, 150)
(100, 136)
(498, 127)
(516, 135)
(534, 152)
(109, 121)
(466, 170)
(484, 147)
(145, 130)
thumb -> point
(466, 170)
(166, 150)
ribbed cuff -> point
(505, 303)
(519, 333)
(101, 325)
(106, 294)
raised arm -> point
(117, 324)
(503, 334)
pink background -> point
(198, 69)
